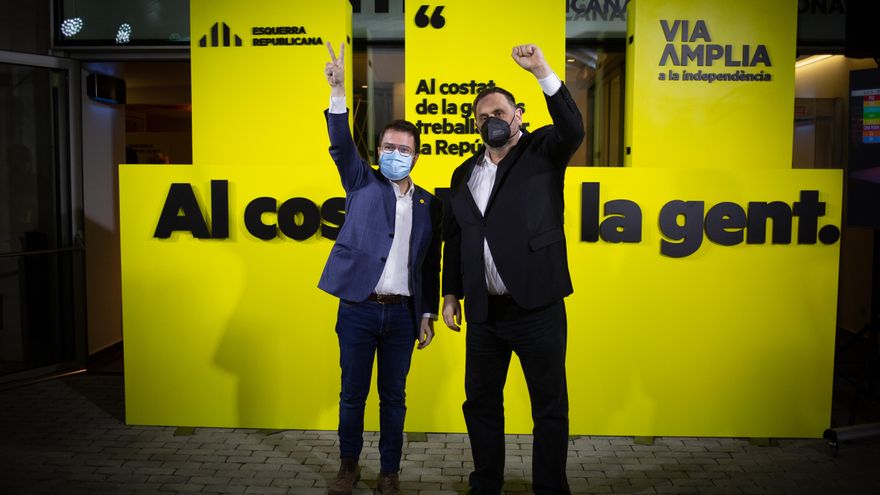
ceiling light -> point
(124, 33)
(810, 60)
(69, 27)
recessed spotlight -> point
(70, 27)
(123, 35)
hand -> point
(335, 70)
(530, 58)
(452, 312)
(426, 332)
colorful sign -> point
(870, 115)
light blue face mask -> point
(395, 166)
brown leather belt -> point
(388, 298)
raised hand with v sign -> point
(335, 71)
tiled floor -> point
(67, 436)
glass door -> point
(41, 256)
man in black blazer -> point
(505, 255)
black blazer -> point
(523, 218)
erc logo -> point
(215, 37)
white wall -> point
(103, 135)
(828, 78)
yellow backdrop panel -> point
(226, 332)
(445, 67)
(259, 102)
(729, 341)
(680, 113)
(210, 325)
(233, 332)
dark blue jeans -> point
(368, 329)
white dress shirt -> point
(338, 104)
(480, 184)
(395, 275)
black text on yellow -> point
(296, 218)
(682, 223)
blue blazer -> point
(364, 241)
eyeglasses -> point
(402, 148)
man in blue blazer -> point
(384, 268)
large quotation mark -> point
(436, 20)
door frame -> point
(71, 206)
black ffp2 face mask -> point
(496, 132)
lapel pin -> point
(422, 201)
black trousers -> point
(538, 337)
